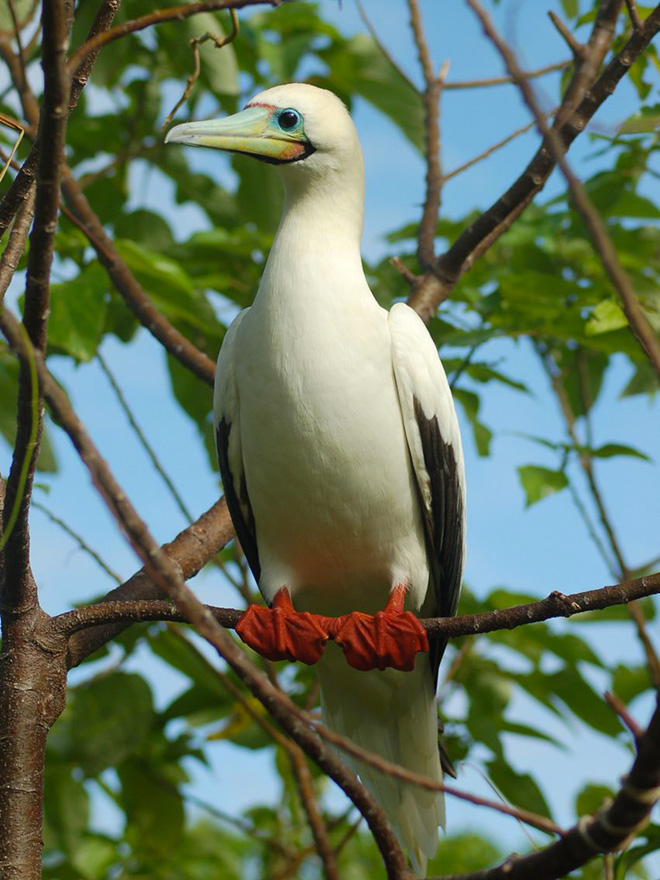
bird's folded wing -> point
(434, 441)
(228, 446)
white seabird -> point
(340, 455)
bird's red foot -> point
(281, 632)
(390, 638)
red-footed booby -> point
(340, 455)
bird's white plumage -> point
(315, 404)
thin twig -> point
(431, 98)
(161, 570)
(195, 43)
(576, 48)
(16, 244)
(78, 538)
(489, 152)
(622, 711)
(158, 467)
(159, 16)
(600, 238)
(305, 786)
(505, 80)
(382, 48)
(633, 12)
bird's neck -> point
(317, 245)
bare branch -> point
(78, 538)
(505, 80)
(633, 12)
(478, 237)
(602, 242)
(622, 711)
(139, 433)
(16, 244)
(493, 149)
(169, 578)
(607, 831)
(431, 97)
(159, 16)
(576, 48)
(19, 591)
(195, 43)
(129, 287)
(555, 605)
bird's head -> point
(304, 130)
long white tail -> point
(392, 714)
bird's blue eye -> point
(289, 119)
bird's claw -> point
(391, 638)
(281, 632)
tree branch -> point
(130, 288)
(19, 590)
(608, 830)
(169, 578)
(159, 16)
(481, 234)
(601, 241)
(26, 176)
(555, 605)
(431, 97)
(189, 552)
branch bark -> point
(607, 831)
(111, 611)
(168, 577)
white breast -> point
(326, 459)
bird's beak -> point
(251, 131)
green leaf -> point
(94, 856)
(591, 799)
(519, 789)
(146, 228)
(572, 688)
(154, 809)
(610, 450)
(571, 8)
(105, 721)
(219, 68)
(66, 806)
(77, 313)
(644, 381)
(540, 482)
(607, 316)
(471, 403)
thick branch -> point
(169, 578)
(602, 242)
(555, 605)
(606, 831)
(189, 552)
(480, 235)
(18, 589)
